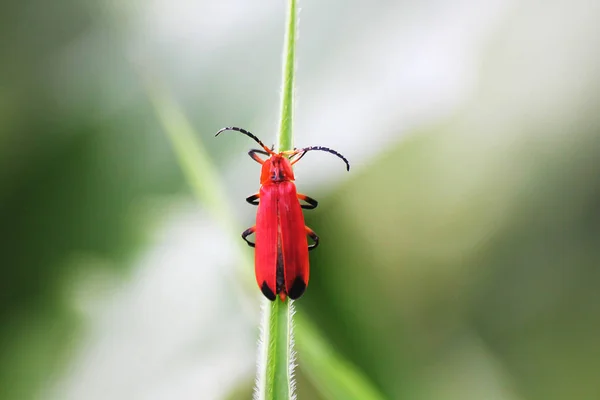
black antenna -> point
(245, 132)
(303, 151)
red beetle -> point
(281, 255)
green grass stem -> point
(275, 374)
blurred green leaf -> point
(334, 376)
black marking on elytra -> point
(279, 275)
(267, 291)
(297, 289)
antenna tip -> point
(227, 128)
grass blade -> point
(335, 377)
(276, 366)
(285, 139)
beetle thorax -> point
(276, 169)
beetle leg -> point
(312, 203)
(247, 233)
(298, 154)
(253, 199)
(313, 236)
(253, 154)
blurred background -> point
(459, 258)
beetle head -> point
(275, 169)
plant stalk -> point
(276, 367)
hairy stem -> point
(275, 373)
